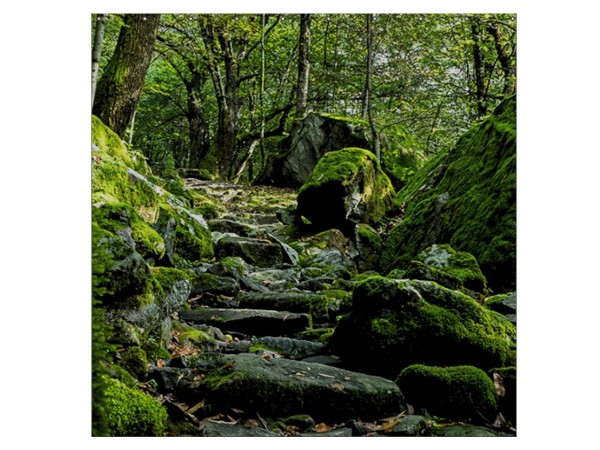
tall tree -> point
(97, 50)
(303, 66)
(120, 86)
(478, 67)
(368, 107)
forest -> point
(303, 225)
(219, 92)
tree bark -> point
(97, 50)
(198, 126)
(478, 68)
(303, 66)
(119, 89)
(505, 60)
(368, 109)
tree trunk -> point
(97, 50)
(367, 108)
(121, 84)
(303, 66)
(504, 58)
(198, 126)
(478, 68)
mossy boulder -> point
(395, 323)
(458, 393)
(505, 304)
(465, 197)
(257, 252)
(313, 136)
(137, 206)
(345, 188)
(131, 412)
(280, 387)
(452, 269)
(368, 245)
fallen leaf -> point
(250, 423)
(322, 428)
(499, 384)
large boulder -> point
(346, 187)
(141, 227)
(458, 392)
(395, 323)
(312, 137)
(465, 197)
(276, 387)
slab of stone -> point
(290, 348)
(222, 429)
(258, 252)
(249, 321)
(282, 387)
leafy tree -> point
(119, 89)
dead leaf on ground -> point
(322, 428)
(499, 384)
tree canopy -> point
(221, 86)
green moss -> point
(134, 360)
(109, 143)
(120, 218)
(465, 197)
(321, 199)
(132, 412)
(395, 323)
(459, 393)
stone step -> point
(249, 321)
(278, 387)
(318, 306)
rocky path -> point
(250, 352)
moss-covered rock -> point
(368, 245)
(452, 269)
(131, 412)
(458, 393)
(505, 304)
(313, 137)
(258, 252)
(396, 323)
(346, 187)
(465, 197)
(134, 360)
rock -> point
(505, 304)
(335, 433)
(464, 430)
(208, 283)
(346, 187)
(288, 348)
(368, 246)
(449, 268)
(459, 393)
(258, 252)
(396, 323)
(314, 136)
(221, 429)
(300, 302)
(412, 425)
(230, 266)
(505, 381)
(276, 279)
(465, 197)
(249, 321)
(280, 387)
(232, 226)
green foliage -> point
(131, 412)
